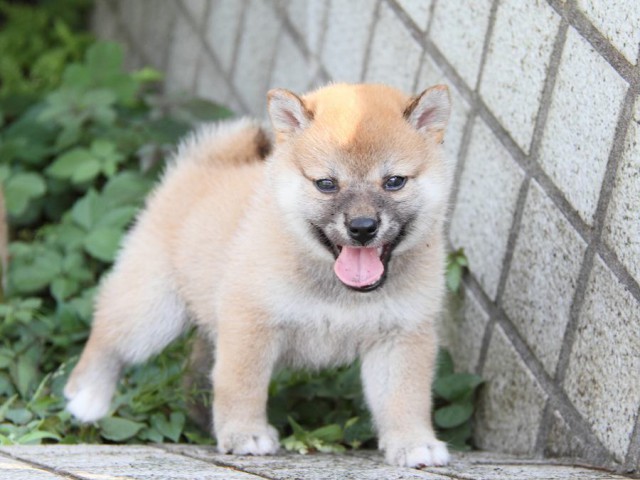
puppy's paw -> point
(259, 441)
(87, 401)
(432, 453)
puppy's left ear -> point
(429, 112)
(287, 111)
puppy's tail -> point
(230, 142)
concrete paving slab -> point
(120, 462)
(190, 462)
(315, 466)
(13, 469)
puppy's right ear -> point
(288, 112)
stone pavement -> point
(188, 462)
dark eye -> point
(394, 183)
(327, 185)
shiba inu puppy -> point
(328, 249)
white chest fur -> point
(317, 332)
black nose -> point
(363, 229)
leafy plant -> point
(37, 41)
(77, 163)
(454, 395)
(325, 411)
(456, 264)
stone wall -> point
(546, 133)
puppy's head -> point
(357, 173)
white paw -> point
(432, 453)
(261, 441)
(89, 402)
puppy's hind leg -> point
(137, 314)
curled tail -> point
(231, 142)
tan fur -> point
(225, 242)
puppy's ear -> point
(287, 111)
(429, 112)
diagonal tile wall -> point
(545, 133)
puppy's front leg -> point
(246, 352)
(397, 375)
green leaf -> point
(456, 264)
(458, 385)
(20, 189)
(299, 432)
(171, 429)
(33, 273)
(65, 166)
(4, 408)
(19, 416)
(62, 288)
(126, 189)
(107, 155)
(35, 437)
(147, 75)
(328, 433)
(457, 437)
(86, 171)
(119, 429)
(87, 211)
(104, 58)
(204, 110)
(151, 435)
(454, 277)
(102, 243)
(6, 357)
(25, 374)
(292, 444)
(358, 431)
(118, 218)
(444, 363)
(453, 415)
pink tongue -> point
(358, 267)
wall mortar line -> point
(323, 34)
(237, 41)
(514, 231)
(407, 20)
(555, 394)
(274, 55)
(167, 51)
(485, 47)
(432, 9)
(301, 43)
(526, 163)
(201, 35)
(536, 141)
(460, 163)
(598, 41)
(632, 460)
(619, 270)
(372, 32)
(606, 190)
(123, 28)
(218, 64)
